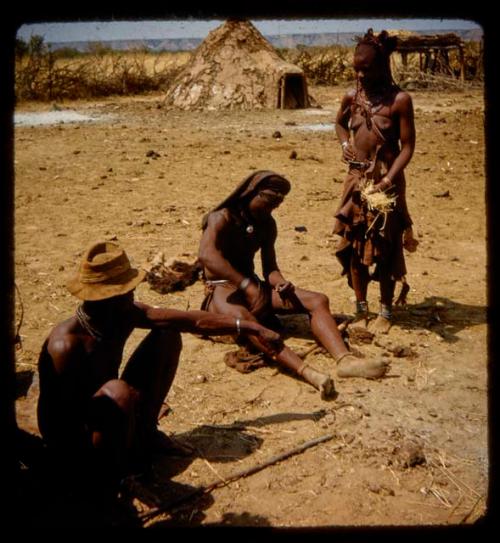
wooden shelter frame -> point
(433, 51)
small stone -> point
(409, 454)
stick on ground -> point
(238, 475)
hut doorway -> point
(292, 92)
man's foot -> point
(352, 366)
(321, 381)
(381, 325)
(160, 443)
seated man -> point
(93, 420)
(233, 232)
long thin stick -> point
(471, 510)
(238, 475)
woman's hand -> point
(348, 151)
(285, 289)
(384, 184)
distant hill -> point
(280, 41)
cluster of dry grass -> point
(45, 77)
(323, 65)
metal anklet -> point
(301, 368)
(343, 355)
(361, 307)
(385, 311)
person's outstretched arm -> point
(203, 322)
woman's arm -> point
(214, 261)
(272, 273)
(210, 254)
(270, 269)
(342, 126)
(403, 107)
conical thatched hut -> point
(237, 68)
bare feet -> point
(321, 381)
(381, 325)
(351, 366)
(360, 321)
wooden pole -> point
(462, 63)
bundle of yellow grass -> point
(377, 201)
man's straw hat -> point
(104, 272)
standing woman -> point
(375, 126)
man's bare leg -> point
(151, 370)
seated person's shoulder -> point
(63, 340)
(220, 218)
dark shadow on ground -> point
(225, 443)
(50, 502)
(185, 519)
(24, 380)
(440, 315)
(43, 501)
(216, 444)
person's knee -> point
(117, 392)
(318, 300)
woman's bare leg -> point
(286, 357)
(324, 328)
(360, 280)
(383, 322)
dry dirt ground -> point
(408, 450)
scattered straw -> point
(377, 201)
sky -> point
(116, 30)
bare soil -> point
(408, 450)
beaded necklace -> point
(84, 321)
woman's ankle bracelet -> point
(361, 307)
(386, 311)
